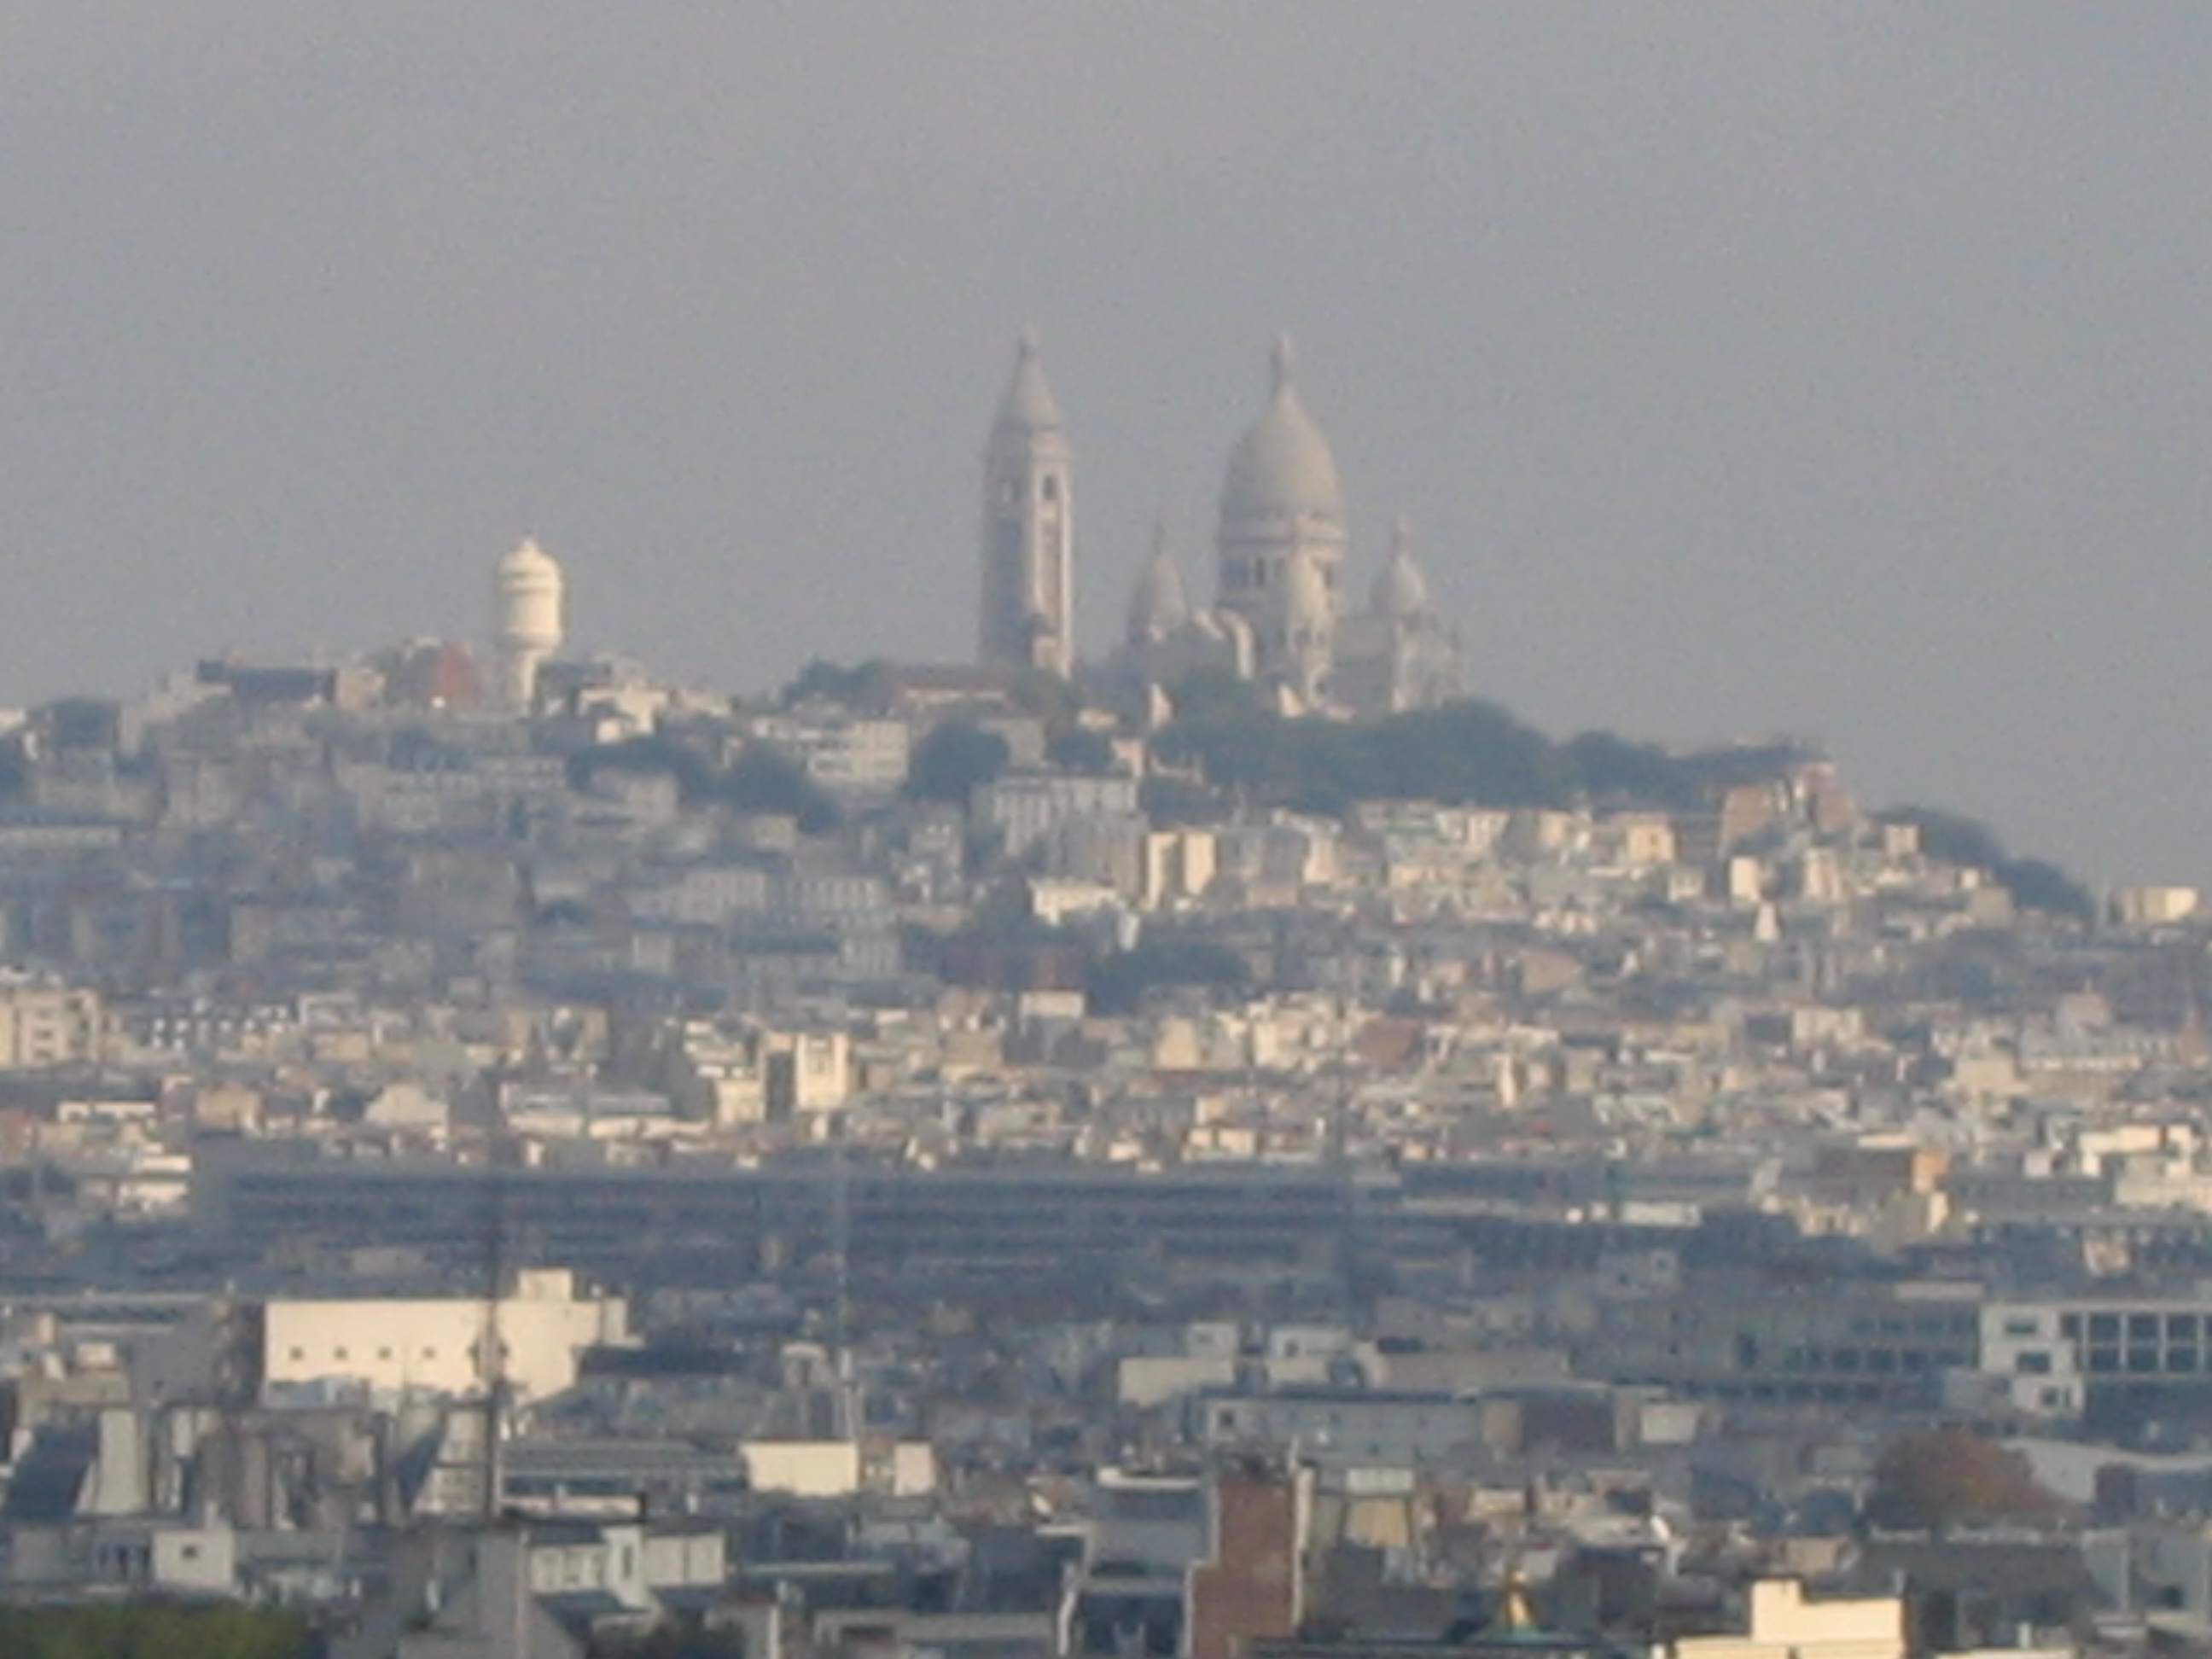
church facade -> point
(1278, 619)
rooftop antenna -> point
(492, 1362)
(841, 1244)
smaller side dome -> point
(1400, 591)
(1159, 606)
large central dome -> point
(1281, 467)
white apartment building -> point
(845, 755)
(1024, 807)
(441, 1346)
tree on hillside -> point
(861, 685)
(1117, 983)
(1079, 748)
(643, 756)
(2034, 884)
(1610, 768)
(1946, 1477)
(1950, 837)
(1047, 696)
(1461, 752)
(2039, 885)
(764, 779)
(1211, 693)
(948, 764)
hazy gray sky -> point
(1837, 368)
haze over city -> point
(1183, 830)
(1834, 369)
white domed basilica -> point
(1278, 618)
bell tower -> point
(1027, 615)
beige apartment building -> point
(44, 1023)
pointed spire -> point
(1282, 365)
(1028, 405)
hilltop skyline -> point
(1839, 372)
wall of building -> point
(436, 1345)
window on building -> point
(2031, 1362)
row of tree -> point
(1245, 753)
(1462, 753)
(761, 778)
(2034, 884)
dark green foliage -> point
(152, 1630)
(1713, 770)
(2034, 884)
(2039, 885)
(1615, 769)
(643, 757)
(762, 778)
(1212, 693)
(1463, 752)
(1950, 837)
(948, 764)
(1117, 983)
(1171, 802)
(860, 686)
(1079, 749)
(1046, 697)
